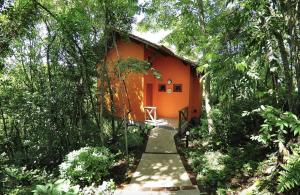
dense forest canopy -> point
(52, 52)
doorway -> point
(149, 94)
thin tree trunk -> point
(3, 121)
(112, 103)
(48, 57)
(123, 91)
(286, 70)
(206, 91)
(297, 63)
(83, 68)
(207, 80)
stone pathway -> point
(160, 170)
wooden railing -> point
(183, 120)
(150, 113)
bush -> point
(290, 175)
(134, 138)
(106, 188)
(59, 187)
(20, 180)
(87, 165)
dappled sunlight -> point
(142, 178)
(164, 122)
(160, 166)
(154, 135)
(136, 174)
(157, 166)
(157, 170)
(161, 141)
(184, 176)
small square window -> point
(177, 88)
(162, 88)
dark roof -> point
(157, 47)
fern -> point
(290, 175)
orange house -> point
(144, 96)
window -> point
(162, 88)
(177, 88)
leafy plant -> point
(59, 187)
(106, 188)
(134, 140)
(276, 126)
(87, 165)
(20, 180)
(290, 175)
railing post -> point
(150, 113)
(183, 119)
(179, 122)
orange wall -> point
(134, 81)
(168, 104)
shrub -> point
(134, 138)
(290, 175)
(277, 125)
(59, 187)
(20, 180)
(87, 165)
(106, 188)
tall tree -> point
(188, 21)
(49, 54)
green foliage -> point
(48, 80)
(227, 117)
(59, 187)
(87, 165)
(134, 136)
(215, 168)
(248, 52)
(135, 140)
(106, 188)
(64, 187)
(49, 51)
(46, 48)
(133, 65)
(276, 126)
(19, 180)
(130, 65)
(290, 175)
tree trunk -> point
(4, 122)
(206, 91)
(207, 80)
(297, 64)
(112, 103)
(286, 70)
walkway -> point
(160, 170)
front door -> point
(149, 95)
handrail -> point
(150, 113)
(183, 119)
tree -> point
(188, 21)
(48, 75)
